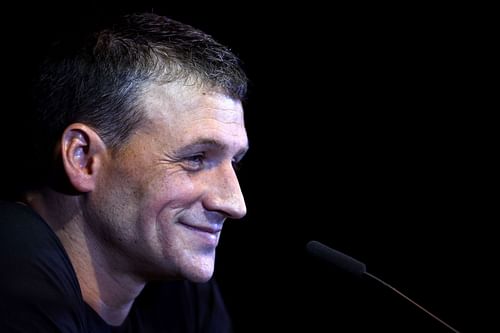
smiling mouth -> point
(204, 229)
(206, 236)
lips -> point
(206, 234)
(208, 229)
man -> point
(138, 128)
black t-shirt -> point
(39, 291)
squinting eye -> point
(195, 162)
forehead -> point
(186, 113)
(175, 101)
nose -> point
(224, 193)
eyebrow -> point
(212, 144)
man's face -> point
(161, 200)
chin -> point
(199, 273)
(200, 279)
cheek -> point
(173, 193)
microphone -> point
(358, 269)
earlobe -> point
(82, 151)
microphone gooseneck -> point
(357, 268)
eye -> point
(195, 162)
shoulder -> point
(18, 219)
(39, 290)
(25, 238)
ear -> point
(83, 153)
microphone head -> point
(337, 258)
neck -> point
(106, 288)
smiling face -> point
(161, 200)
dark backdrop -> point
(369, 132)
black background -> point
(370, 132)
